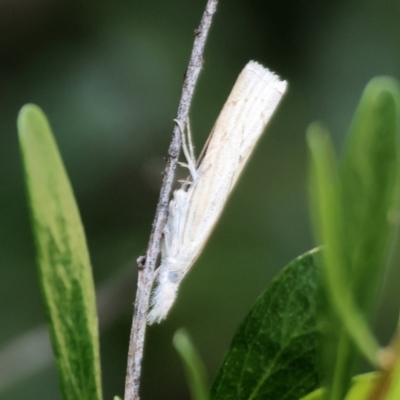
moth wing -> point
(243, 118)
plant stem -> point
(147, 267)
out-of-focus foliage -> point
(108, 75)
(361, 387)
(352, 205)
(191, 361)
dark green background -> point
(108, 74)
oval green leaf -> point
(274, 352)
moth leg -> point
(165, 248)
(190, 142)
(182, 164)
(187, 150)
(165, 241)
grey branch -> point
(146, 270)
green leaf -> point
(273, 355)
(63, 259)
(394, 388)
(330, 225)
(370, 186)
(361, 387)
(350, 209)
(318, 394)
(194, 368)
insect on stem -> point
(196, 207)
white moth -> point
(197, 205)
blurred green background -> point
(109, 74)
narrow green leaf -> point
(361, 388)
(370, 186)
(318, 394)
(63, 259)
(274, 352)
(194, 368)
(330, 226)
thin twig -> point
(146, 269)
